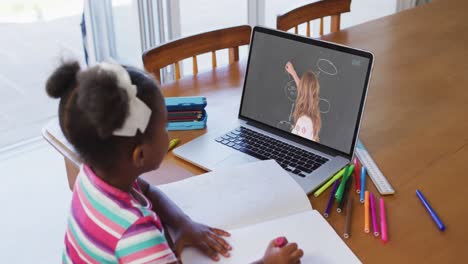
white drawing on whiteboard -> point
(291, 90)
(327, 67)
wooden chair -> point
(307, 13)
(175, 51)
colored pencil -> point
(366, 212)
(375, 227)
(281, 242)
(330, 200)
(173, 143)
(363, 183)
(346, 175)
(329, 182)
(431, 211)
(357, 179)
(345, 194)
(349, 208)
(383, 221)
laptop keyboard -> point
(291, 158)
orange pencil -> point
(366, 212)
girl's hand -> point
(289, 68)
(206, 239)
(288, 254)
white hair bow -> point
(138, 112)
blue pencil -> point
(363, 183)
(431, 211)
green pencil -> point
(329, 182)
(340, 190)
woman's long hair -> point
(307, 102)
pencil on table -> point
(349, 207)
(173, 143)
(345, 194)
(341, 187)
(363, 183)
(329, 183)
(330, 200)
(366, 212)
(383, 221)
(357, 178)
(375, 227)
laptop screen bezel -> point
(319, 43)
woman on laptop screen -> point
(307, 121)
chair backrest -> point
(175, 51)
(317, 10)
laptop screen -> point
(312, 89)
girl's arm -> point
(290, 69)
(208, 240)
(167, 210)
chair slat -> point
(233, 54)
(195, 65)
(157, 75)
(177, 70)
(213, 59)
(308, 29)
(321, 26)
(311, 12)
(174, 52)
(335, 23)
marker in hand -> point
(281, 242)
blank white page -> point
(240, 196)
(313, 234)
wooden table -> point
(415, 126)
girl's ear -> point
(138, 157)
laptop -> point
(301, 105)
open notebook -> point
(256, 203)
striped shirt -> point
(107, 225)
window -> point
(35, 35)
(206, 15)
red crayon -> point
(357, 178)
(281, 242)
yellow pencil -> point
(366, 212)
(173, 143)
(329, 182)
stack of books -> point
(186, 113)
